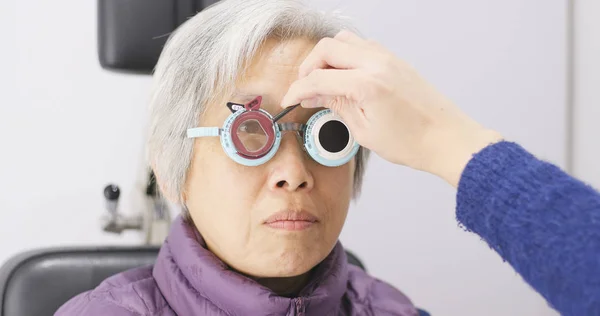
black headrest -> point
(37, 283)
(132, 33)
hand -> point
(388, 107)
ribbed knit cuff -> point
(495, 182)
(541, 220)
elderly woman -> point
(265, 197)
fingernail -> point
(284, 102)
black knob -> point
(151, 186)
(112, 192)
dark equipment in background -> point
(132, 33)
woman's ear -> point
(166, 192)
(183, 198)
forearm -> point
(545, 223)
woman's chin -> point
(292, 269)
(286, 265)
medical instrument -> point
(153, 218)
(284, 112)
(250, 136)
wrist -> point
(454, 155)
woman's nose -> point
(290, 170)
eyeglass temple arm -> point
(284, 112)
(203, 132)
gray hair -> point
(203, 58)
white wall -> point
(67, 128)
(586, 145)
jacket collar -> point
(188, 275)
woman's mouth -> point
(291, 220)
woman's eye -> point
(252, 127)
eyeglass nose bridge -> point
(299, 128)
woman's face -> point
(233, 206)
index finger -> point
(334, 53)
(350, 38)
(331, 83)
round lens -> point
(252, 136)
(334, 136)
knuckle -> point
(343, 34)
(336, 104)
(324, 44)
(323, 48)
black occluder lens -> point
(334, 136)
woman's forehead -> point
(269, 75)
(281, 56)
(275, 64)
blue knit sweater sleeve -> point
(540, 220)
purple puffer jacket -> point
(187, 279)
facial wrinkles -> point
(240, 172)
